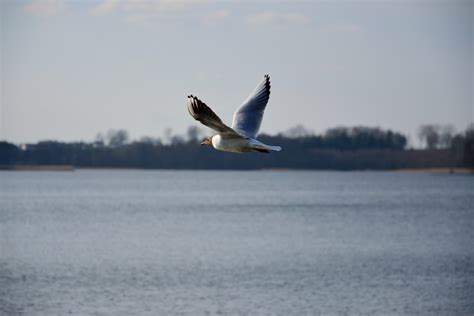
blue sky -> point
(72, 69)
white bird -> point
(241, 137)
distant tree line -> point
(341, 148)
(437, 136)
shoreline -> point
(62, 168)
(38, 168)
(454, 170)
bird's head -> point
(207, 141)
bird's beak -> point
(204, 142)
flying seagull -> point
(241, 137)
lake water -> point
(236, 243)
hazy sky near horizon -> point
(72, 69)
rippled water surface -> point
(236, 243)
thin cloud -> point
(44, 7)
(181, 4)
(105, 7)
(145, 11)
(276, 18)
(145, 6)
(215, 17)
(139, 6)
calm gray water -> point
(236, 243)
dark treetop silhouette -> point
(339, 148)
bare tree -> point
(193, 133)
(297, 131)
(99, 140)
(149, 140)
(117, 138)
(469, 146)
(470, 128)
(177, 140)
(446, 136)
(430, 135)
(168, 135)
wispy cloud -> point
(145, 11)
(139, 6)
(181, 4)
(44, 7)
(105, 7)
(145, 6)
(215, 17)
(276, 18)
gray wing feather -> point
(202, 113)
(248, 117)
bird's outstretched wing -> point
(248, 117)
(202, 113)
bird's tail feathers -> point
(265, 148)
(273, 148)
(255, 144)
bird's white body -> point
(240, 144)
(236, 145)
(241, 137)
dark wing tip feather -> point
(204, 114)
(200, 111)
(267, 83)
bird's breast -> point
(237, 145)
